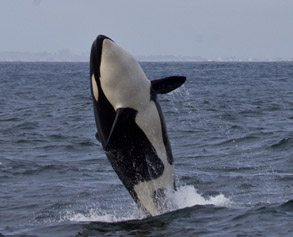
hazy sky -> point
(206, 28)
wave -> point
(284, 143)
(237, 140)
(287, 206)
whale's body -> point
(130, 123)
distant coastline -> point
(61, 56)
(67, 56)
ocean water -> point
(231, 131)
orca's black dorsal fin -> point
(167, 84)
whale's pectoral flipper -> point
(123, 139)
(167, 84)
(123, 117)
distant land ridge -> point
(67, 56)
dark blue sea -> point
(231, 131)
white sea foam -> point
(94, 216)
(185, 196)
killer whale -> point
(130, 124)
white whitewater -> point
(185, 196)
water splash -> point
(188, 196)
(95, 215)
(185, 196)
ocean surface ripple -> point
(231, 131)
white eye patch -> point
(95, 88)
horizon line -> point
(67, 56)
